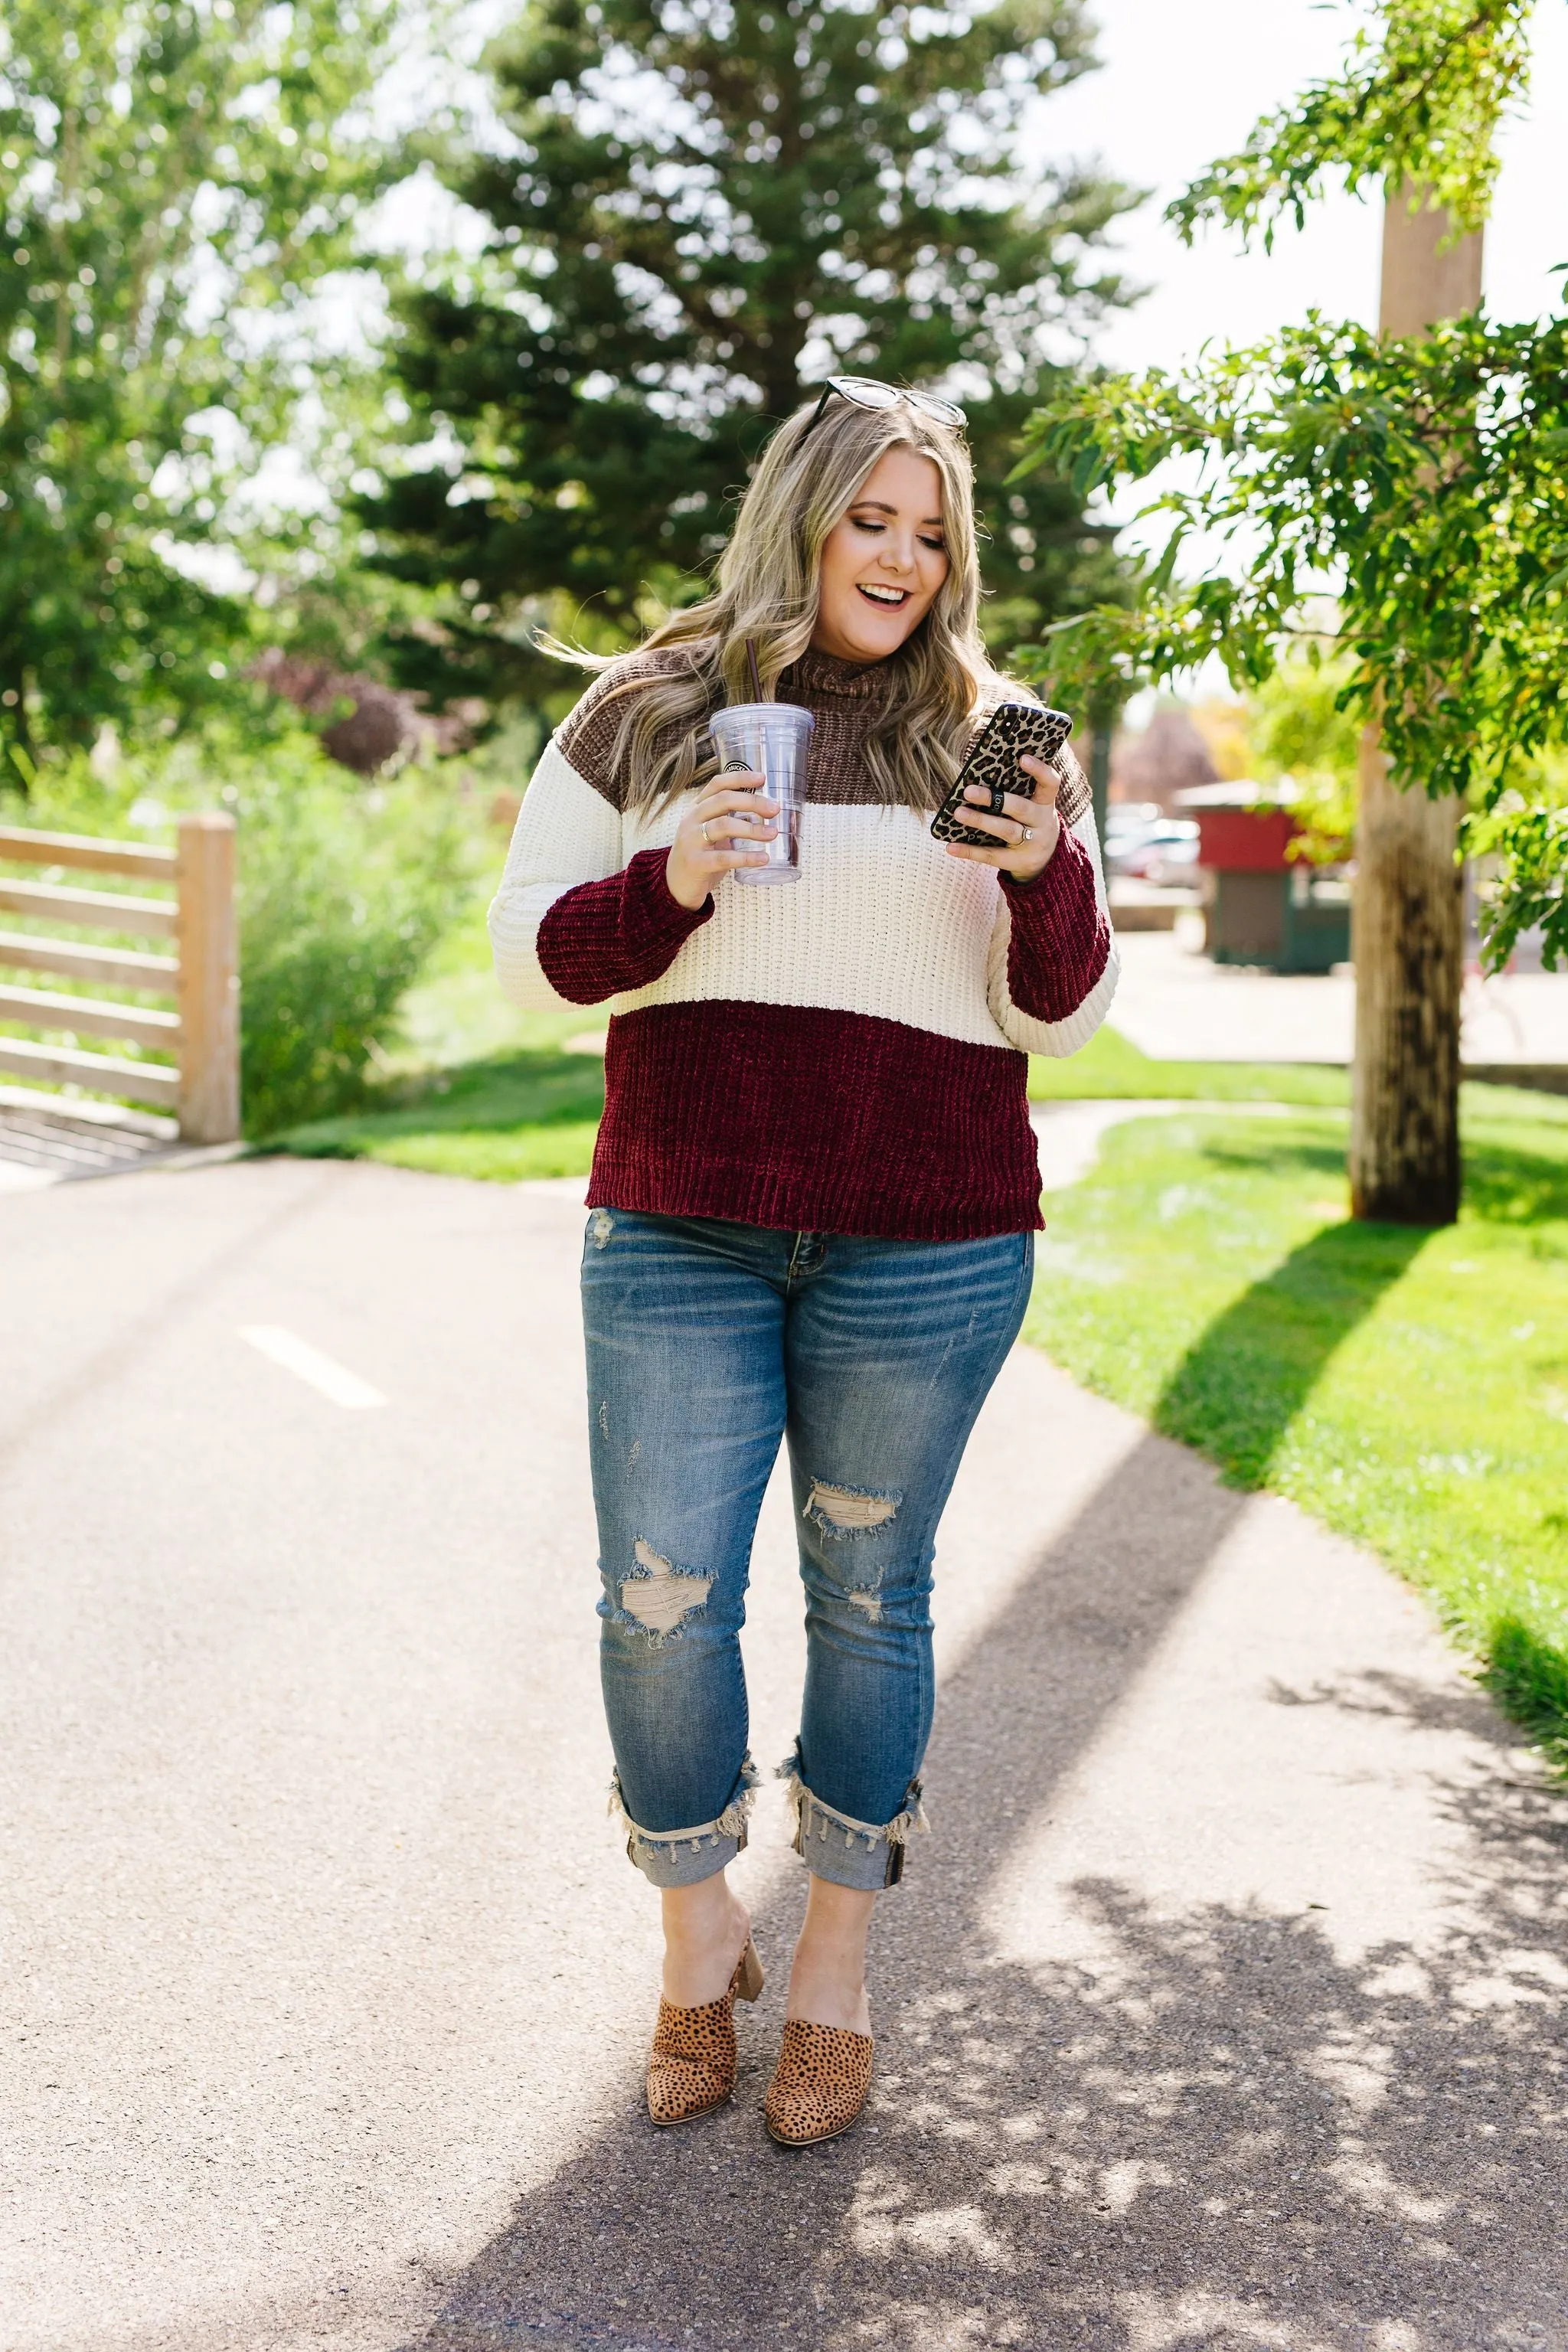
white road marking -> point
(309, 1364)
(16, 1177)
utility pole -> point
(1407, 936)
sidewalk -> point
(1176, 1005)
(1224, 2007)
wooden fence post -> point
(207, 933)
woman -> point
(814, 1192)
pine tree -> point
(709, 206)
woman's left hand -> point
(1027, 831)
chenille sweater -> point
(845, 1053)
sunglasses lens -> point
(866, 392)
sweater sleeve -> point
(1052, 969)
(623, 932)
(569, 923)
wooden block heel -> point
(749, 1977)
(691, 2070)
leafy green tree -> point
(174, 181)
(1427, 475)
(1420, 98)
(1419, 474)
(704, 206)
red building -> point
(1260, 904)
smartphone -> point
(1012, 730)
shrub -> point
(344, 891)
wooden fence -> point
(202, 975)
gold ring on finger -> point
(705, 825)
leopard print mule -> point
(820, 2083)
(691, 2070)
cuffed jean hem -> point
(684, 1857)
(848, 1853)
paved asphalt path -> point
(1172, 1002)
(1224, 2008)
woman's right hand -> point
(700, 855)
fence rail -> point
(202, 975)
(111, 967)
(25, 847)
(110, 910)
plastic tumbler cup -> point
(772, 739)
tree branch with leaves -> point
(1420, 100)
(1425, 483)
(1419, 478)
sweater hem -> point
(738, 1200)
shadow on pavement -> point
(1229, 2140)
(1239, 1387)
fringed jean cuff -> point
(836, 1846)
(682, 1857)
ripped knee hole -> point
(663, 1596)
(844, 1510)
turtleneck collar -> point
(817, 673)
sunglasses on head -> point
(867, 392)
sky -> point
(1183, 83)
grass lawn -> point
(532, 1109)
(476, 1089)
(1409, 1388)
(1109, 1068)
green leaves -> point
(343, 895)
(174, 182)
(1419, 100)
(1530, 887)
(1420, 483)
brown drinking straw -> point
(757, 681)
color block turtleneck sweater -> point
(845, 1053)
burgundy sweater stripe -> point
(807, 1118)
(812, 1120)
(1060, 941)
(605, 938)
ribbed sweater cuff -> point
(1061, 940)
(605, 937)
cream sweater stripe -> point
(1056, 1038)
(882, 921)
(565, 833)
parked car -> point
(1128, 824)
(1145, 846)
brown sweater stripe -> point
(844, 699)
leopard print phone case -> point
(1013, 729)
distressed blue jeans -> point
(708, 1343)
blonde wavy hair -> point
(768, 587)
